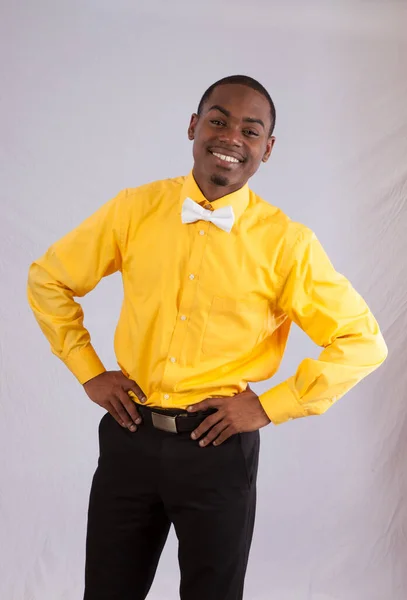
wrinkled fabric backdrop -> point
(95, 97)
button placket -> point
(190, 289)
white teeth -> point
(230, 159)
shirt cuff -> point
(84, 364)
(281, 404)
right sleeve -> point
(71, 267)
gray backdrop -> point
(96, 96)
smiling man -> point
(223, 165)
(213, 278)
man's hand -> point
(235, 414)
(110, 391)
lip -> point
(226, 152)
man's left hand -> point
(235, 414)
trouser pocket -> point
(249, 444)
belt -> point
(173, 420)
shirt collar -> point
(239, 200)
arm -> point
(324, 304)
(71, 267)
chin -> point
(220, 180)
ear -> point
(192, 126)
(270, 144)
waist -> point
(173, 420)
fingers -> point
(131, 386)
(208, 403)
(130, 406)
(111, 409)
(226, 434)
(215, 434)
(206, 425)
(124, 417)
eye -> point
(217, 122)
(251, 133)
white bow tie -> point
(221, 217)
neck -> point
(211, 191)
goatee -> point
(219, 180)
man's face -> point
(231, 137)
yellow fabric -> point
(205, 312)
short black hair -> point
(242, 80)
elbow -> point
(379, 350)
(373, 351)
(382, 350)
(37, 282)
(31, 279)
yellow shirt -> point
(204, 311)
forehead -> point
(240, 101)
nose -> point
(231, 136)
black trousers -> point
(146, 481)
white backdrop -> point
(96, 96)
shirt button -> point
(192, 276)
(173, 359)
(166, 396)
(202, 232)
(183, 318)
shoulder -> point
(151, 193)
(286, 242)
(137, 205)
(277, 222)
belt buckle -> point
(164, 422)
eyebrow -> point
(227, 114)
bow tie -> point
(221, 217)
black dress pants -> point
(146, 481)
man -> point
(213, 278)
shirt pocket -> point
(234, 327)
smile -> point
(226, 158)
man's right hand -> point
(109, 390)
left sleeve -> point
(323, 303)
